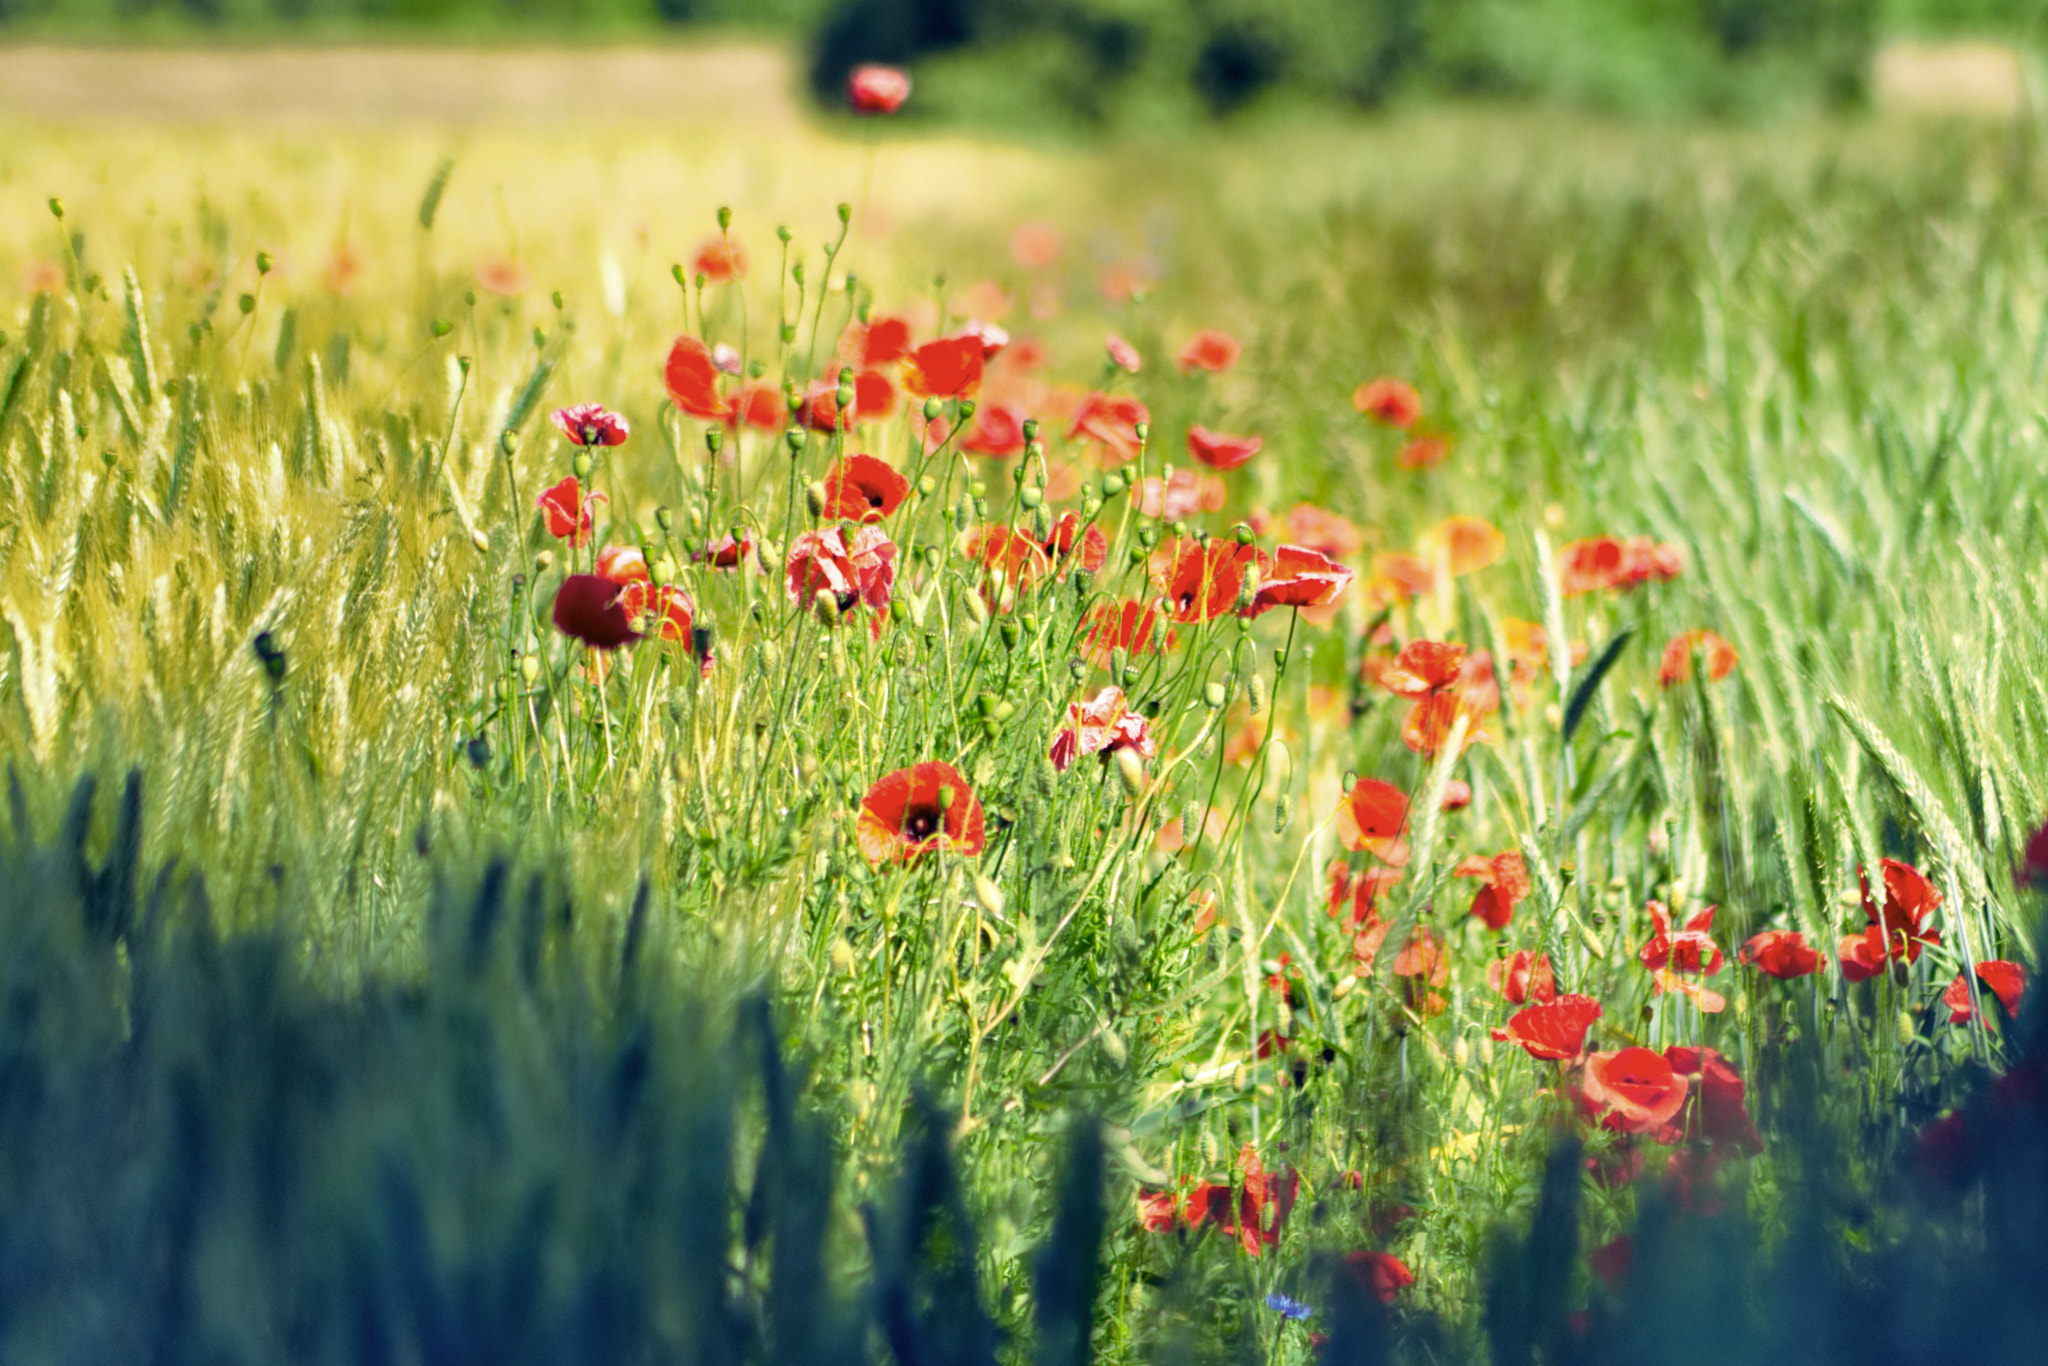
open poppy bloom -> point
(998, 431)
(691, 377)
(1129, 626)
(1298, 577)
(1110, 420)
(1676, 667)
(875, 89)
(1220, 452)
(1714, 1108)
(2007, 980)
(1380, 1274)
(1639, 1089)
(1158, 1211)
(874, 343)
(1423, 667)
(947, 368)
(861, 488)
(1898, 930)
(1101, 725)
(758, 404)
(1523, 976)
(874, 398)
(1210, 350)
(992, 338)
(917, 811)
(729, 551)
(1373, 817)
(1421, 452)
(1709, 1001)
(1691, 949)
(1433, 674)
(1354, 892)
(1254, 1210)
(1463, 544)
(662, 610)
(1389, 400)
(1071, 547)
(857, 567)
(1012, 561)
(568, 513)
(588, 608)
(1122, 354)
(1187, 493)
(1646, 560)
(719, 260)
(590, 424)
(1421, 965)
(1201, 582)
(1780, 953)
(1588, 565)
(1507, 883)
(1554, 1031)
(1317, 529)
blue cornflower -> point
(1287, 1308)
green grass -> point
(1809, 358)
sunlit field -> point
(1357, 655)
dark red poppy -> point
(1676, 667)
(1210, 350)
(1373, 816)
(719, 260)
(1201, 582)
(1555, 1030)
(1691, 949)
(873, 89)
(2033, 869)
(1611, 1261)
(861, 488)
(1522, 977)
(2007, 981)
(1298, 577)
(1071, 547)
(1780, 953)
(1638, 1089)
(1389, 400)
(591, 424)
(1507, 883)
(587, 607)
(1112, 421)
(691, 377)
(917, 811)
(1353, 893)
(1221, 452)
(856, 566)
(876, 342)
(1101, 725)
(947, 368)
(1714, 1109)
(1380, 1274)
(1128, 626)
(998, 431)
(568, 513)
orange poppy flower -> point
(947, 368)
(1201, 582)
(1334, 536)
(1464, 544)
(1523, 976)
(1186, 494)
(1398, 576)
(1389, 400)
(2007, 980)
(1220, 452)
(1507, 884)
(874, 89)
(1423, 957)
(1710, 1002)
(861, 488)
(1012, 561)
(1111, 421)
(1101, 725)
(758, 404)
(1554, 1031)
(876, 342)
(1638, 1089)
(1782, 954)
(1380, 1274)
(998, 431)
(1676, 667)
(1126, 626)
(1585, 566)
(1210, 350)
(587, 608)
(1423, 667)
(691, 376)
(1298, 577)
(719, 260)
(1158, 1211)
(1373, 817)
(1645, 560)
(568, 512)
(1353, 893)
(1422, 452)
(918, 811)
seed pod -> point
(1112, 485)
(1256, 693)
(1191, 819)
(932, 408)
(529, 668)
(1030, 498)
(581, 464)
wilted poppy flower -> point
(1388, 400)
(1130, 626)
(947, 368)
(857, 567)
(1554, 1031)
(1780, 953)
(1122, 354)
(569, 513)
(1373, 816)
(1210, 350)
(1101, 725)
(1691, 949)
(691, 377)
(861, 488)
(1523, 976)
(873, 89)
(1380, 1274)
(501, 275)
(1354, 892)
(1220, 452)
(2007, 980)
(998, 431)
(1110, 420)
(1187, 493)
(719, 260)
(1201, 582)
(1071, 547)
(1464, 544)
(1639, 1089)
(1334, 536)
(917, 811)
(1298, 577)
(1422, 452)
(876, 342)
(590, 424)
(587, 607)
(1676, 667)
(1254, 1211)
(1507, 883)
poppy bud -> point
(540, 339)
(963, 515)
(795, 437)
(1350, 779)
(899, 611)
(529, 668)
(247, 303)
(714, 439)
(265, 263)
(1130, 770)
(1030, 498)
(843, 396)
(1280, 663)
(927, 486)
(845, 212)
(1136, 554)
(702, 280)
(782, 234)
(981, 509)
(814, 497)
(1010, 632)
(469, 297)
(1214, 695)
(1178, 529)
(1245, 535)
(543, 562)
(1130, 677)
(1141, 430)
(1029, 621)
(967, 407)
(1112, 485)
(724, 218)
(581, 464)
(796, 272)
(1077, 668)
(56, 207)
(666, 520)
(504, 688)
(677, 271)
(1283, 812)
(977, 609)
(1248, 587)
(556, 299)
(1030, 430)
(1148, 535)
(1256, 694)
(932, 408)
(826, 606)
(1090, 505)
(1041, 521)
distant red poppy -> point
(587, 608)
(501, 275)
(947, 368)
(873, 89)
(1422, 452)
(719, 260)
(1523, 976)
(1071, 547)
(1676, 667)
(1013, 560)
(1298, 577)
(1423, 667)
(1353, 893)
(876, 342)
(1122, 354)
(1186, 494)
(692, 379)
(1780, 953)
(857, 567)
(1611, 1260)
(1507, 883)
(1389, 400)
(992, 338)
(1254, 1210)
(1584, 566)
(590, 424)
(1464, 544)
(758, 404)
(568, 513)
(1110, 420)
(1373, 816)
(1554, 1031)
(1317, 529)
(998, 431)
(1638, 1089)
(1714, 1109)
(1201, 582)
(1101, 725)
(1457, 795)
(1220, 452)
(1035, 244)
(1210, 350)
(1128, 626)
(1691, 949)
(1380, 1274)
(874, 398)
(1423, 963)
(1398, 576)
(1434, 675)
(727, 552)
(1644, 560)
(2007, 981)
(861, 488)
(917, 811)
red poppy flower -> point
(1380, 1274)
(758, 404)
(1210, 350)
(876, 342)
(1110, 420)
(1373, 817)
(1523, 976)
(874, 398)
(1691, 949)
(1201, 582)
(2007, 980)
(1677, 664)
(1434, 673)
(1710, 1002)
(719, 260)
(1507, 883)
(639, 597)
(947, 368)
(861, 488)
(727, 552)
(501, 275)
(1220, 452)
(1910, 901)
(1589, 565)
(1353, 893)
(1422, 452)
(1070, 547)
(1780, 953)
(1101, 725)
(1158, 1211)
(1311, 526)
(1254, 1211)
(1036, 244)
(1639, 1089)
(1555, 1030)
(1644, 560)
(1126, 626)
(1424, 667)
(587, 607)
(857, 567)
(590, 424)
(691, 377)
(998, 431)
(1714, 1107)
(1398, 576)
(1298, 577)
(1186, 494)
(568, 513)
(992, 338)
(1389, 400)
(1423, 957)
(1863, 955)
(872, 89)
(1013, 561)
(1122, 354)
(1611, 1260)
(917, 811)
(1457, 795)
